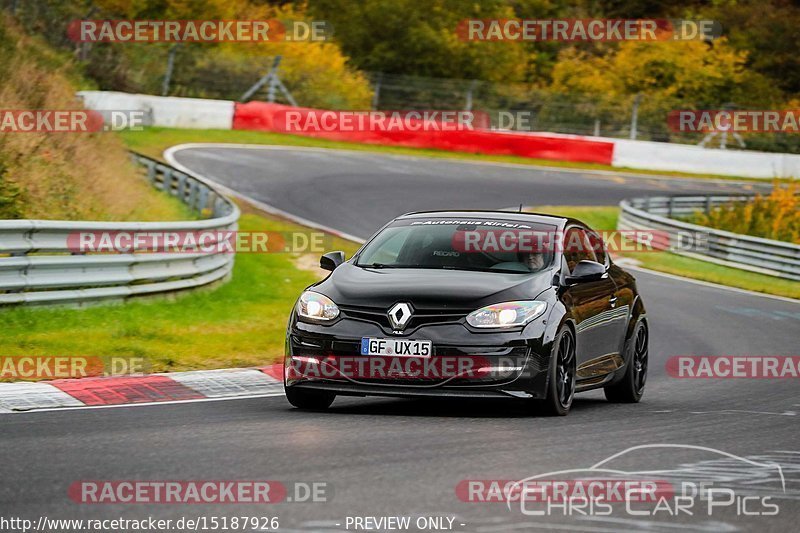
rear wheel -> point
(309, 399)
(631, 388)
(561, 382)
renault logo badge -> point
(399, 315)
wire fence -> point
(529, 108)
(515, 106)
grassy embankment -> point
(72, 176)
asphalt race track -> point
(384, 457)
(357, 192)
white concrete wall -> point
(689, 158)
(166, 111)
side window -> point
(577, 248)
(598, 246)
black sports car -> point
(487, 304)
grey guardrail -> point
(39, 266)
(766, 256)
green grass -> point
(605, 218)
(153, 141)
(238, 324)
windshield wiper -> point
(376, 265)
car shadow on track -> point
(453, 408)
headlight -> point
(506, 314)
(316, 306)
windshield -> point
(485, 245)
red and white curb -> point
(198, 385)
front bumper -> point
(463, 364)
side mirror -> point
(586, 271)
(331, 260)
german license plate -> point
(396, 347)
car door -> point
(594, 308)
(622, 299)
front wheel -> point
(561, 382)
(631, 388)
(309, 399)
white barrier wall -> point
(166, 111)
(690, 158)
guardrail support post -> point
(181, 184)
(202, 200)
(635, 115)
(151, 172)
(191, 201)
(166, 184)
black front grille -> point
(418, 318)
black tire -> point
(631, 387)
(561, 381)
(313, 400)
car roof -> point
(541, 218)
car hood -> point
(429, 288)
